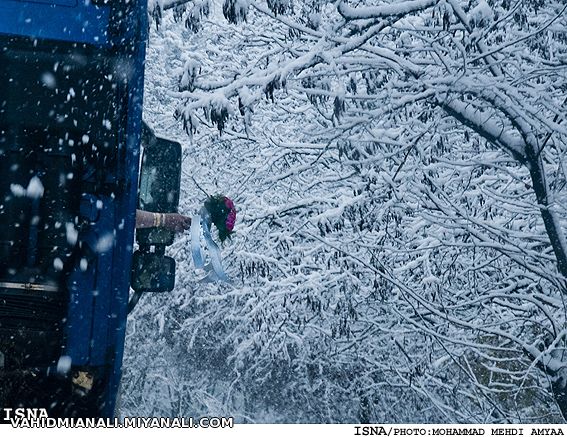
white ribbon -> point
(202, 223)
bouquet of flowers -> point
(223, 214)
(220, 211)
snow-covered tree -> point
(401, 171)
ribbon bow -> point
(202, 222)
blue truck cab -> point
(71, 91)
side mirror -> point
(152, 272)
(160, 179)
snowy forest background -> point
(399, 169)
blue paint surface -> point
(62, 20)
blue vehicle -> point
(71, 91)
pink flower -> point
(231, 217)
(228, 203)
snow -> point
(64, 364)
(17, 190)
(481, 15)
(385, 10)
(104, 243)
(48, 80)
(35, 188)
(71, 233)
(58, 264)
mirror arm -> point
(134, 300)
